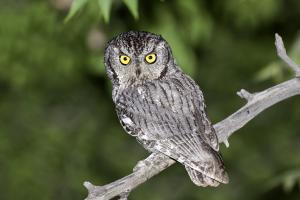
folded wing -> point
(170, 118)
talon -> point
(139, 165)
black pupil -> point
(125, 59)
(150, 57)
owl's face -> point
(135, 57)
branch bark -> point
(156, 162)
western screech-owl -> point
(161, 106)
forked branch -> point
(256, 103)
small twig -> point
(245, 94)
(281, 52)
(156, 162)
(124, 195)
(94, 191)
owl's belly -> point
(149, 125)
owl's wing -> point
(209, 134)
(169, 117)
(197, 157)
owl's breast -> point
(157, 111)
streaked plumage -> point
(162, 107)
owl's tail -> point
(213, 172)
(199, 179)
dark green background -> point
(58, 125)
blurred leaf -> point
(295, 50)
(287, 180)
(197, 23)
(96, 65)
(288, 183)
(271, 71)
(105, 7)
(75, 7)
(250, 13)
(167, 27)
(133, 7)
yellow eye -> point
(125, 60)
(150, 58)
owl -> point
(162, 107)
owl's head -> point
(135, 57)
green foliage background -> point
(58, 126)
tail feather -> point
(203, 164)
(199, 179)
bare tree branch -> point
(152, 165)
(281, 52)
(156, 162)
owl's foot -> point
(140, 164)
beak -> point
(137, 69)
(138, 72)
